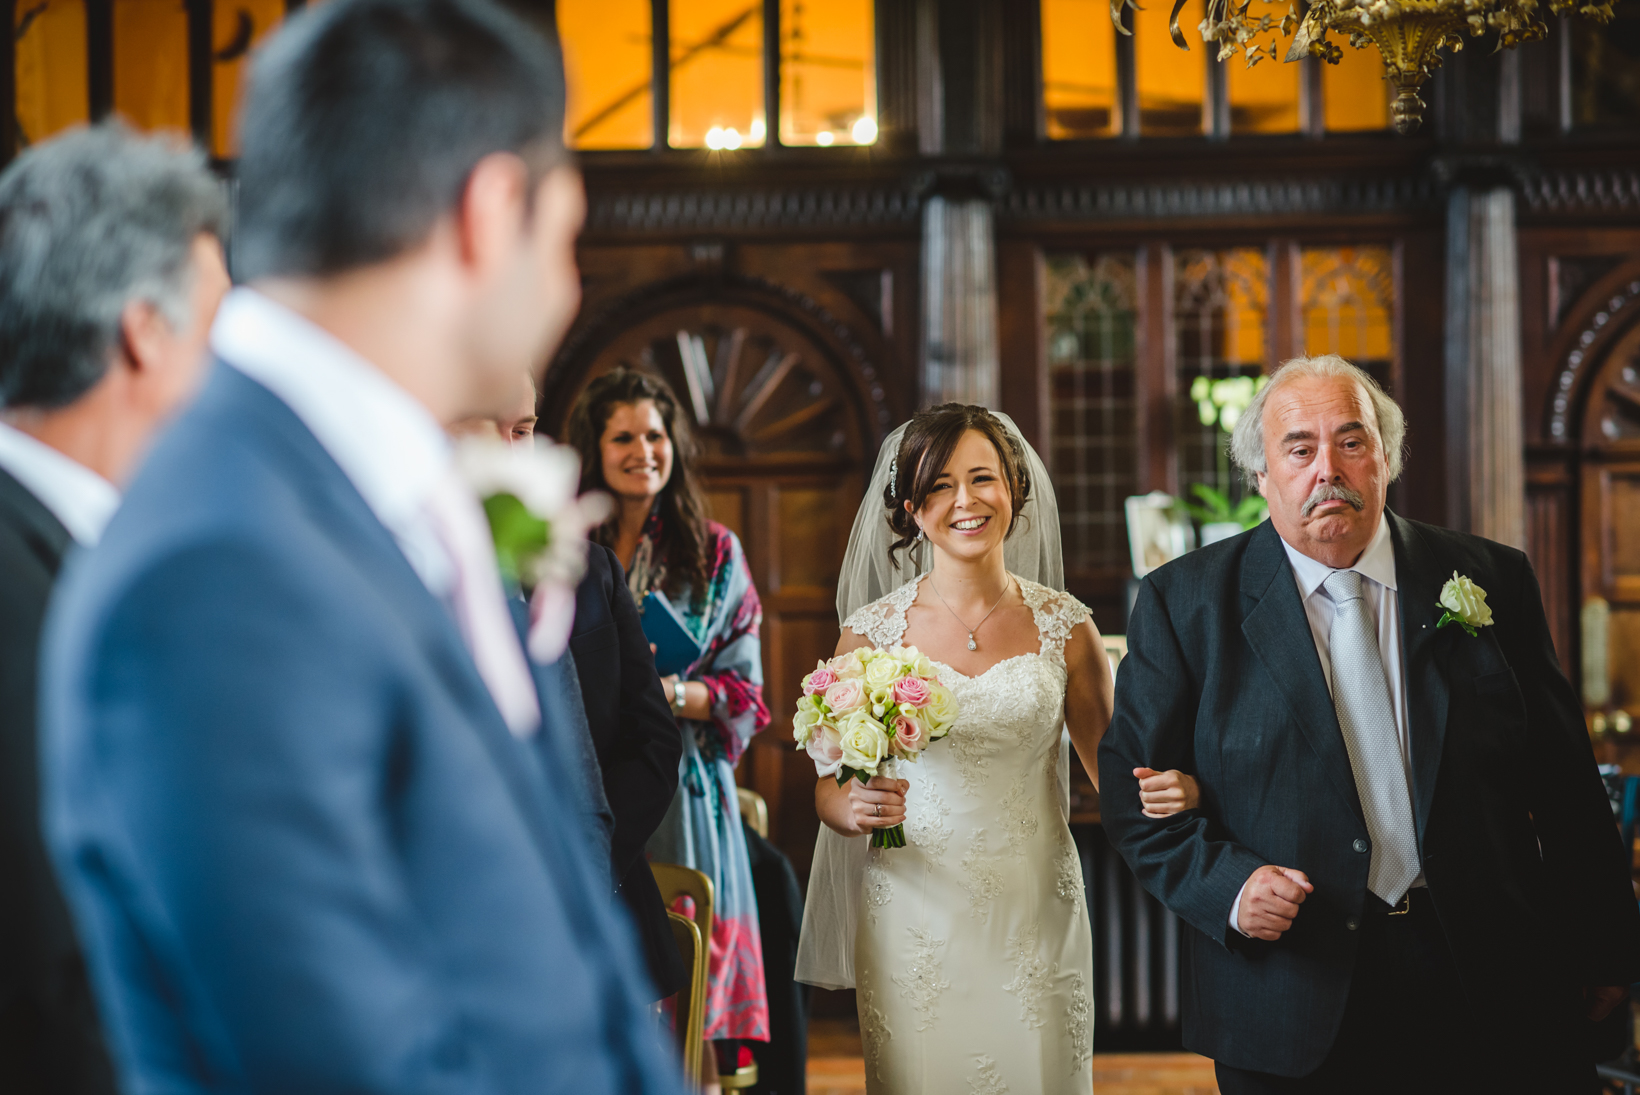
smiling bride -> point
(969, 948)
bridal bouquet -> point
(865, 708)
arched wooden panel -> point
(790, 416)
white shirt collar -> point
(77, 496)
(387, 443)
(1377, 562)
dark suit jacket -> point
(1524, 867)
(50, 1040)
(303, 849)
(637, 741)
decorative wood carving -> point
(1566, 379)
(1612, 190)
(1569, 276)
(1269, 197)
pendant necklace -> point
(972, 645)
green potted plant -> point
(1220, 404)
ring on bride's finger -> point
(879, 809)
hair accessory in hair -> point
(894, 475)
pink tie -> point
(480, 606)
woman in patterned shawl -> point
(634, 443)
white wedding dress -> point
(973, 954)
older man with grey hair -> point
(1403, 874)
(111, 268)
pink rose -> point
(911, 692)
(909, 734)
(826, 751)
(845, 696)
(818, 681)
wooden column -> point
(1486, 486)
(959, 344)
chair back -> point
(691, 1011)
(754, 811)
(675, 881)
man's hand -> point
(1601, 999)
(1270, 901)
(1163, 794)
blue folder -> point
(675, 649)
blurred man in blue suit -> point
(315, 820)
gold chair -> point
(740, 1079)
(675, 881)
(691, 1014)
(754, 810)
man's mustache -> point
(1332, 492)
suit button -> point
(1360, 845)
(1352, 923)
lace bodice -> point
(883, 620)
(974, 959)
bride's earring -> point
(919, 534)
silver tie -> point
(1367, 718)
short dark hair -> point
(926, 447)
(89, 222)
(364, 118)
(682, 503)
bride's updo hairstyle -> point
(926, 447)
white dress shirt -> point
(77, 496)
(1383, 600)
(399, 459)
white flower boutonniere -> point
(539, 526)
(1465, 604)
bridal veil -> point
(825, 951)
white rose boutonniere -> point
(539, 525)
(1465, 604)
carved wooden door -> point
(789, 421)
(1611, 515)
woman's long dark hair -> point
(926, 448)
(682, 546)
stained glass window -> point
(1079, 69)
(1172, 83)
(237, 28)
(53, 91)
(828, 73)
(1220, 311)
(1347, 306)
(608, 59)
(1090, 317)
(717, 74)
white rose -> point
(848, 667)
(827, 754)
(804, 721)
(941, 711)
(881, 672)
(1466, 601)
(864, 741)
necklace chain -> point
(972, 645)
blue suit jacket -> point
(304, 851)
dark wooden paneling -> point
(1019, 337)
(1550, 533)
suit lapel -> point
(1425, 650)
(1279, 633)
(39, 527)
(337, 505)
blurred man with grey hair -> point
(1403, 875)
(111, 268)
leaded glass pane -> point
(1347, 306)
(1220, 312)
(1091, 313)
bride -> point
(969, 948)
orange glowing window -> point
(717, 74)
(1354, 93)
(1220, 312)
(237, 28)
(1264, 98)
(1347, 305)
(1172, 82)
(151, 63)
(53, 91)
(828, 73)
(1079, 96)
(608, 55)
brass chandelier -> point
(1410, 34)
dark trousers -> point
(1409, 1029)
